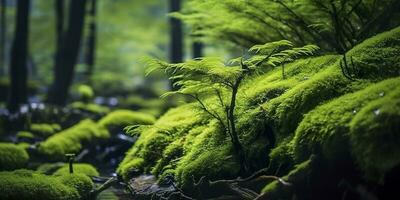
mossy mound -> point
(25, 184)
(119, 119)
(79, 168)
(44, 130)
(72, 139)
(90, 108)
(375, 134)
(85, 93)
(327, 127)
(153, 140)
(12, 156)
(282, 121)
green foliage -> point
(332, 25)
(209, 78)
(71, 140)
(25, 184)
(79, 168)
(12, 156)
(119, 119)
(44, 130)
(314, 100)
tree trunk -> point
(197, 49)
(59, 12)
(176, 33)
(91, 41)
(19, 51)
(3, 37)
(67, 54)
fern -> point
(209, 80)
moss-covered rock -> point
(327, 127)
(281, 122)
(85, 93)
(12, 156)
(79, 168)
(149, 148)
(71, 140)
(374, 135)
(90, 108)
(44, 130)
(25, 184)
(119, 119)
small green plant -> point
(208, 80)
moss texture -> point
(25, 184)
(79, 168)
(72, 139)
(44, 130)
(119, 119)
(90, 108)
(12, 156)
(374, 135)
(327, 127)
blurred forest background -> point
(115, 37)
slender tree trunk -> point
(176, 33)
(197, 48)
(67, 53)
(59, 12)
(19, 52)
(91, 41)
(3, 37)
(237, 145)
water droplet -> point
(354, 111)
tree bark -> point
(67, 54)
(19, 52)
(90, 54)
(197, 48)
(3, 32)
(176, 33)
(59, 12)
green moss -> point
(49, 168)
(214, 163)
(130, 167)
(170, 155)
(90, 107)
(271, 85)
(72, 139)
(25, 135)
(25, 184)
(327, 127)
(378, 57)
(154, 139)
(79, 168)
(85, 93)
(12, 156)
(374, 135)
(44, 130)
(298, 176)
(82, 183)
(119, 119)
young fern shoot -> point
(215, 85)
